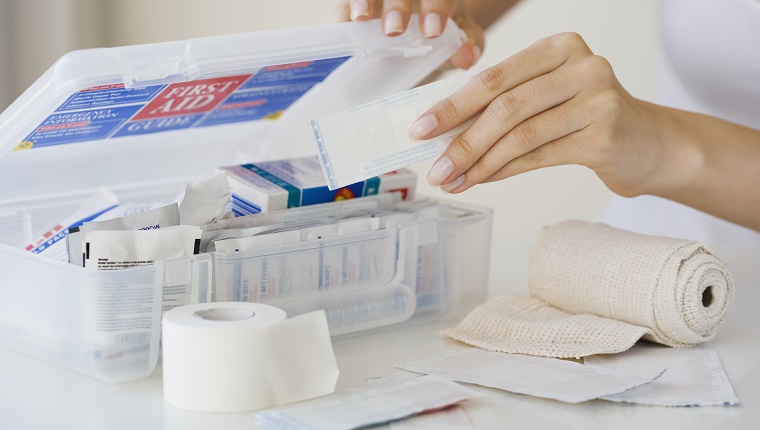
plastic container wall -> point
(466, 247)
(103, 324)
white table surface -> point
(38, 395)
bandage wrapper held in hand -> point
(597, 290)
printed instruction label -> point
(112, 111)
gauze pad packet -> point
(373, 139)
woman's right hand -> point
(433, 14)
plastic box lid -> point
(164, 113)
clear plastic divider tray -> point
(107, 324)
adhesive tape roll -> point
(235, 357)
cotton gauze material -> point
(597, 290)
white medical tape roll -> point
(235, 357)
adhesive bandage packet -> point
(52, 243)
(373, 138)
(283, 184)
(382, 401)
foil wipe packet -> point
(121, 249)
(373, 138)
(136, 216)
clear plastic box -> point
(107, 324)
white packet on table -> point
(121, 249)
(451, 418)
(206, 201)
(135, 216)
(551, 378)
(385, 400)
(373, 138)
(695, 376)
(52, 244)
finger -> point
(525, 138)
(343, 10)
(360, 10)
(396, 16)
(433, 16)
(504, 113)
(540, 58)
(565, 150)
(470, 51)
(468, 54)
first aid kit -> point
(144, 121)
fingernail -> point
(394, 23)
(451, 186)
(432, 25)
(359, 8)
(440, 171)
(423, 126)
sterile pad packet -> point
(695, 376)
(373, 139)
(551, 378)
(387, 399)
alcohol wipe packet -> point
(373, 139)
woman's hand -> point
(553, 103)
(433, 14)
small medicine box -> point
(283, 184)
(145, 120)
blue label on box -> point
(158, 125)
(109, 95)
(294, 73)
(112, 111)
(261, 103)
(313, 196)
(80, 126)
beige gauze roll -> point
(596, 289)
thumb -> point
(471, 49)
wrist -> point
(679, 157)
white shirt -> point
(710, 65)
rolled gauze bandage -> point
(236, 357)
(596, 289)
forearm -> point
(716, 166)
(486, 12)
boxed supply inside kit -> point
(144, 121)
